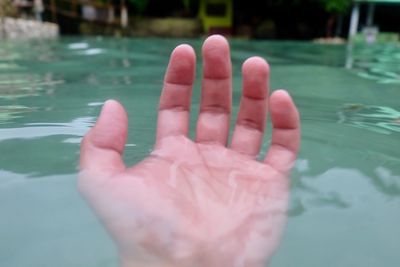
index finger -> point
(285, 141)
(174, 108)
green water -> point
(345, 206)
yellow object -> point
(216, 14)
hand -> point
(196, 202)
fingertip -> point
(112, 105)
(281, 93)
(182, 64)
(215, 46)
(216, 58)
(280, 99)
(103, 145)
(112, 111)
(255, 71)
(110, 130)
(215, 39)
(256, 63)
(284, 113)
(183, 49)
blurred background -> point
(339, 59)
(268, 19)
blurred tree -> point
(140, 5)
(337, 8)
(151, 7)
(186, 3)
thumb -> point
(103, 146)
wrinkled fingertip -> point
(183, 48)
(284, 113)
(217, 38)
(185, 52)
(110, 129)
(281, 102)
(102, 147)
(256, 63)
(215, 43)
(111, 105)
(182, 65)
(280, 94)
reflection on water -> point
(77, 127)
(81, 45)
(343, 189)
(378, 62)
(8, 113)
(347, 175)
(20, 80)
(23, 85)
(383, 120)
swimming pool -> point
(345, 204)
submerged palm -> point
(196, 203)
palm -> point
(195, 201)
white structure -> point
(355, 14)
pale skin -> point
(202, 202)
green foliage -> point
(186, 3)
(336, 6)
(140, 5)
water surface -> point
(345, 205)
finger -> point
(103, 145)
(249, 130)
(216, 92)
(174, 108)
(285, 132)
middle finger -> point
(216, 93)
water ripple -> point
(381, 119)
(77, 127)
